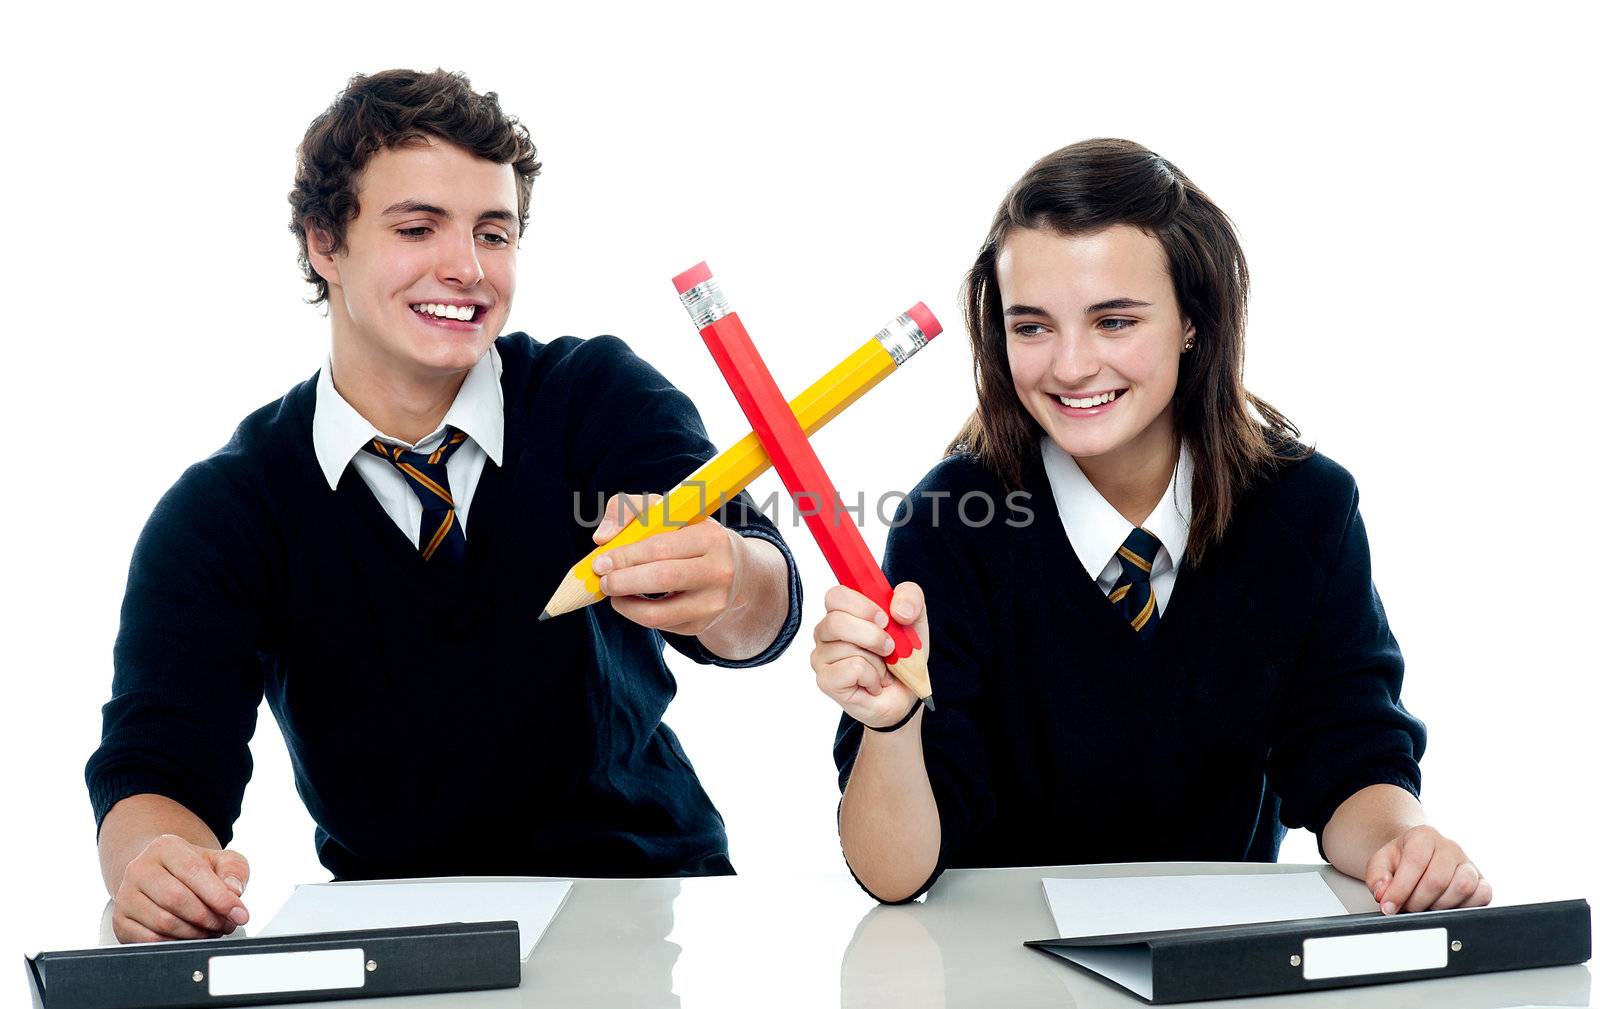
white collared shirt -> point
(1096, 529)
(338, 433)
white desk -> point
(747, 941)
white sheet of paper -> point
(1083, 907)
(336, 907)
(1112, 906)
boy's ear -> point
(317, 244)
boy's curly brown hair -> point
(395, 108)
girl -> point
(1151, 623)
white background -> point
(1415, 189)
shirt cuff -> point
(105, 791)
(1400, 778)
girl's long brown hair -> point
(1233, 436)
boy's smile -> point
(426, 278)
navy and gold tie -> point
(441, 537)
(1133, 595)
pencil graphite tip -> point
(927, 702)
(544, 615)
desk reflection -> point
(607, 947)
(962, 946)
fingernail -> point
(605, 587)
(234, 885)
(603, 563)
(1389, 908)
(903, 611)
(239, 915)
(881, 619)
(888, 645)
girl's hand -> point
(852, 644)
(1422, 870)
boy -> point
(370, 553)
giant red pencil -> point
(797, 463)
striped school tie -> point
(441, 536)
(1133, 596)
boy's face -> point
(430, 262)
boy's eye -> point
(416, 232)
(494, 239)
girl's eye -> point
(1028, 329)
(1117, 325)
(416, 232)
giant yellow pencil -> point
(714, 484)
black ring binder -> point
(416, 960)
(1270, 958)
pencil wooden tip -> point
(570, 595)
(913, 672)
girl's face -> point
(1093, 334)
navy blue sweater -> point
(1269, 695)
(435, 726)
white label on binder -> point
(1376, 953)
(265, 973)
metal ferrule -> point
(705, 303)
(902, 338)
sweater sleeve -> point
(186, 681)
(647, 438)
(1339, 725)
(927, 545)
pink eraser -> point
(920, 315)
(694, 275)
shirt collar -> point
(338, 432)
(1095, 529)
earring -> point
(1188, 344)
